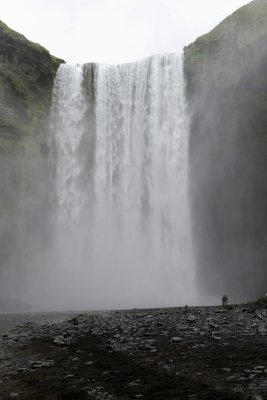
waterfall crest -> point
(119, 141)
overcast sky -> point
(114, 31)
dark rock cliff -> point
(226, 73)
(27, 72)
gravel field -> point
(176, 353)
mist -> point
(146, 186)
(113, 227)
(227, 175)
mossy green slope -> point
(27, 72)
(226, 73)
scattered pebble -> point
(191, 318)
(177, 339)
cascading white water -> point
(122, 217)
(68, 112)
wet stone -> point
(59, 342)
(191, 318)
(177, 339)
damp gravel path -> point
(176, 353)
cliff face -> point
(226, 72)
(27, 72)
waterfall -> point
(68, 112)
(119, 144)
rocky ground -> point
(178, 353)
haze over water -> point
(119, 148)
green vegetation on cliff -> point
(27, 71)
